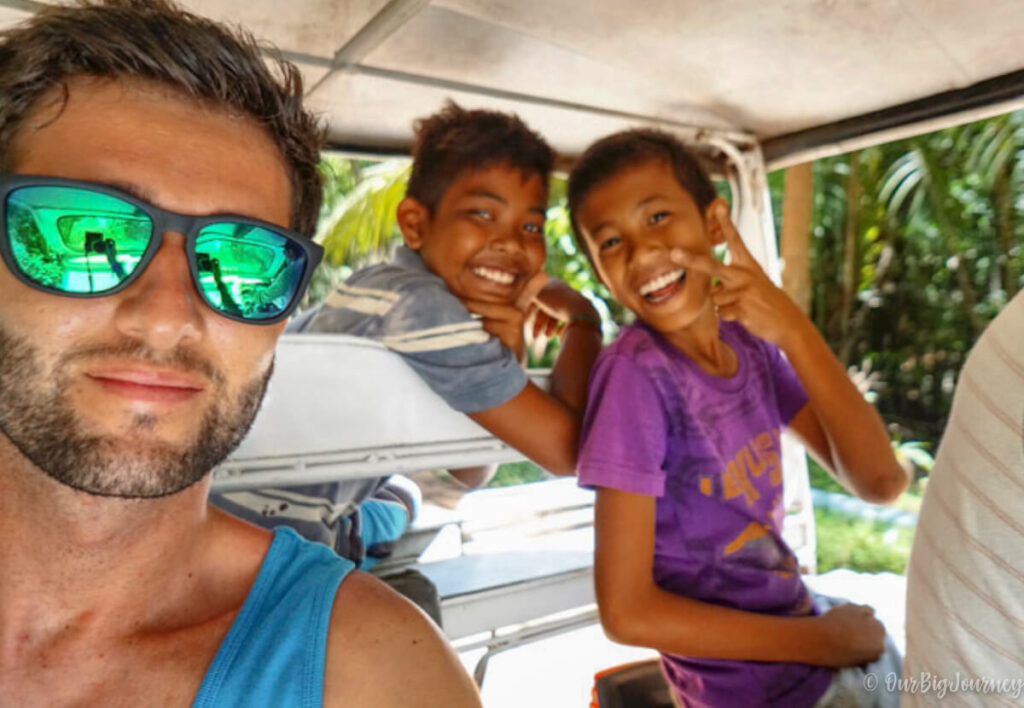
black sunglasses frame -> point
(163, 221)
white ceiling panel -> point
(578, 69)
(983, 38)
(370, 110)
(317, 27)
(779, 66)
(445, 44)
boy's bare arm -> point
(539, 426)
(581, 343)
(842, 429)
(545, 426)
(636, 611)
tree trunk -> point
(851, 261)
(795, 241)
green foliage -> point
(864, 546)
(821, 479)
(938, 251)
(361, 220)
(566, 260)
(512, 473)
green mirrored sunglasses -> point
(87, 240)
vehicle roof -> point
(801, 76)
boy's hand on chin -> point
(563, 303)
(853, 635)
(744, 293)
(540, 323)
(502, 321)
(547, 304)
(555, 305)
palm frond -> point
(902, 180)
(363, 222)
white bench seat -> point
(480, 593)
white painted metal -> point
(345, 407)
(752, 214)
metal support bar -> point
(985, 98)
(497, 644)
(330, 467)
(690, 131)
(238, 466)
(694, 131)
(749, 203)
(388, 20)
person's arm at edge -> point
(382, 651)
(545, 426)
(634, 610)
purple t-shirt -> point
(708, 448)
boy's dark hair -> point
(156, 41)
(615, 153)
(455, 140)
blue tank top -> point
(274, 653)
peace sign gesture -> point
(743, 293)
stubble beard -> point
(38, 417)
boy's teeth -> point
(661, 281)
(498, 276)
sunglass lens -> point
(248, 271)
(75, 240)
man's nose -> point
(162, 308)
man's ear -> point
(413, 219)
(714, 229)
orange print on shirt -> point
(705, 486)
(753, 532)
(736, 482)
(761, 454)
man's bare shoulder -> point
(383, 651)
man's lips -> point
(148, 385)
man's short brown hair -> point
(455, 140)
(157, 41)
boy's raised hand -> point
(548, 304)
(559, 301)
(744, 293)
(541, 321)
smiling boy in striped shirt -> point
(453, 300)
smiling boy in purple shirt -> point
(681, 438)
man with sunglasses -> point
(158, 185)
